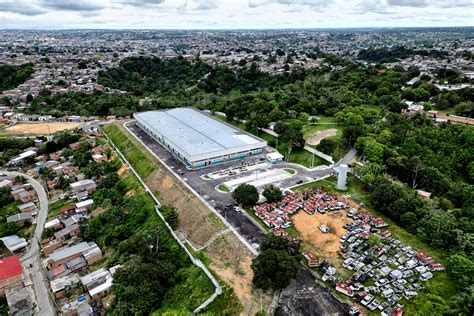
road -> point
(35, 274)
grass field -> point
(439, 286)
(143, 162)
(298, 156)
(55, 207)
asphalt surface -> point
(305, 295)
(31, 260)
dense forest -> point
(12, 76)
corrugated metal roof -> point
(197, 134)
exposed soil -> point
(41, 128)
(324, 245)
(232, 262)
(320, 135)
(193, 214)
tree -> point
(246, 195)
(276, 265)
(170, 215)
(272, 193)
(416, 166)
(463, 303)
(327, 146)
(20, 180)
(461, 268)
(5, 196)
(292, 137)
(280, 127)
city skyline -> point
(232, 14)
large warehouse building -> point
(197, 139)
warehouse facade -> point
(196, 139)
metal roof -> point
(197, 135)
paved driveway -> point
(31, 260)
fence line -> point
(195, 261)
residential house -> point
(99, 283)
(6, 183)
(21, 218)
(63, 285)
(75, 146)
(90, 251)
(67, 233)
(14, 243)
(83, 185)
(18, 300)
(85, 204)
(54, 224)
(11, 273)
(99, 158)
(27, 207)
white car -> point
(372, 306)
(367, 299)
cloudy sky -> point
(232, 14)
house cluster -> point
(386, 271)
(276, 215)
(69, 258)
(58, 165)
(25, 197)
(13, 288)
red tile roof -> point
(10, 267)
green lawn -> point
(326, 119)
(55, 207)
(9, 209)
(143, 162)
(440, 285)
(223, 188)
(290, 171)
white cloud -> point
(220, 14)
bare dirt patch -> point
(320, 135)
(324, 245)
(232, 262)
(193, 214)
(41, 128)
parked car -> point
(367, 299)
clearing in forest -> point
(318, 136)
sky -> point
(232, 14)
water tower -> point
(342, 176)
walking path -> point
(31, 260)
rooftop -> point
(195, 133)
(10, 267)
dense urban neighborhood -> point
(250, 172)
